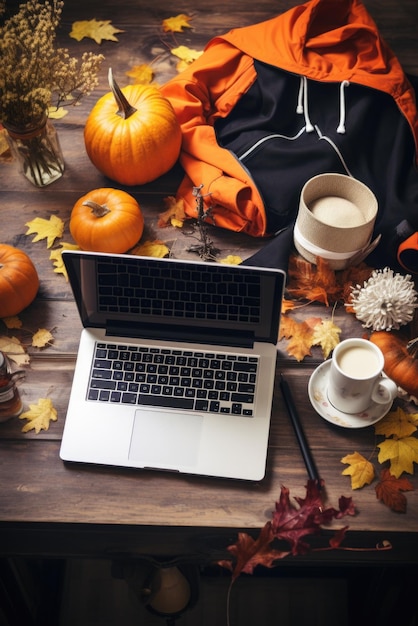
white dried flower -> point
(386, 301)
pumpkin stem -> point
(99, 210)
(412, 347)
(125, 110)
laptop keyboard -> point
(179, 379)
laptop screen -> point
(146, 296)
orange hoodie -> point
(330, 41)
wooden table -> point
(54, 509)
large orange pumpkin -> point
(132, 135)
(106, 220)
(19, 281)
(401, 362)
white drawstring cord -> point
(299, 108)
(341, 125)
(309, 126)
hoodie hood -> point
(330, 41)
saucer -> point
(317, 390)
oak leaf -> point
(41, 338)
(327, 335)
(360, 469)
(397, 423)
(94, 29)
(46, 229)
(177, 23)
(142, 74)
(389, 489)
(39, 416)
(402, 454)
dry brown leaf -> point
(389, 489)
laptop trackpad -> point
(165, 440)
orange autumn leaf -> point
(299, 335)
(177, 23)
(360, 470)
(315, 283)
(287, 305)
(389, 490)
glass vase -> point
(37, 150)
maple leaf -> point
(287, 305)
(231, 259)
(389, 489)
(57, 113)
(12, 322)
(177, 23)
(402, 454)
(186, 56)
(39, 416)
(360, 469)
(174, 213)
(155, 248)
(142, 74)
(46, 229)
(397, 423)
(94, 29)
(12, 347)
(41, 338)
(327, 335)
(56, 257)
(299, 335)
(315, 283)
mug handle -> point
(385, 390)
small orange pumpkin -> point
(106, 220)
(135, 139)
(19, 281)
(401, 362)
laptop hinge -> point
(165, 332)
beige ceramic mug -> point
(356, 377)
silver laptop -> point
(176, 364)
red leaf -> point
(389, 489)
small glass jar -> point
(10, 401)
(37, 150)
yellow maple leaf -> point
(186, 55)
(174, 214)
(402, 454)
(41, 338)
(360, 469)
(397, 423)
(46, 229)
(142, 74)
(14, 350)
(56, 257)
(155, 248)
(39, 416)
(12, 322)
(177, 23)
(327, 335)
(231, 259)
(94, 29)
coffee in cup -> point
(356, 377)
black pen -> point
(300, 435)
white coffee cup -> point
(356, 377)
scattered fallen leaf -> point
(397, 423)
(402, 454)
(156, 249)
(39, 416)
(299, 335)
(389, 489)
(56, 257)
(57, 113)
(142, 74)
(46, 229)
(231, 259)
(41, 338)
(12, 322)
(95, 29)
(5, 153)
(327, 335)
(186, 56)
(360, 469)
(14, 350)
(177, 23)
(174, 213)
